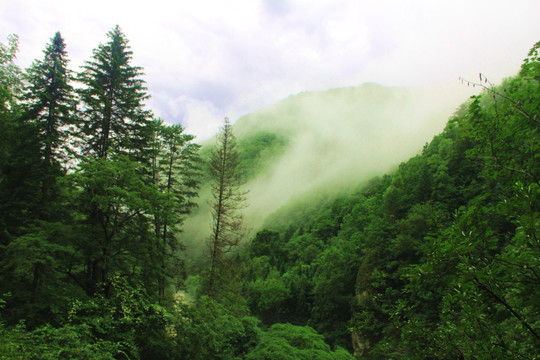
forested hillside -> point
(294, 149)
(376, 126)
(438, 259)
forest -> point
(437, 259)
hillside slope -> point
(438, 259)
(326, 140)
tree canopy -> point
(438, 259)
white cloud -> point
(202, 118)
(233, 57)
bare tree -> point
(226, 202)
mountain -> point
(327, 141)
(436, 259)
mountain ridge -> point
(327, 139)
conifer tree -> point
(112, 99)
(35, 222)
(227, 201)
(10, 89)
(49, 97)
(118, 197)
(176, 174)
(49, 107)
(20, 164)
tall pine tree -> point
(118, 195)
(114, 117)
(35, 222)
(50, 108)
(176, 174)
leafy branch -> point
(487, 85)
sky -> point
(207, 59)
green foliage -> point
(49, 103)
(258, 151)
(481, 272)
(10, 90)
(121, 313)
(268, 243)
(285, 341)
(176, 173)
(87, 243)
(333, 291)
(268, 296)
(212, 332)
(115, 202)
(439, 259)
(33, 272)
(530, 69)
(10, 74)
(113, 114)
(21, 187)
(436, 260)
(47, 342)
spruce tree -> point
(113, 112)
(118, 196)
(10, 89)
(50, 100)
(176, 174)
(34, 222)
(50, 108)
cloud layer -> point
(208, 59)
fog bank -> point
(336, 138)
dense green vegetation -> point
(439, 259)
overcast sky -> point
(207, 59)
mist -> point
(336, 139)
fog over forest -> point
(334, 139)
(334, 216)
